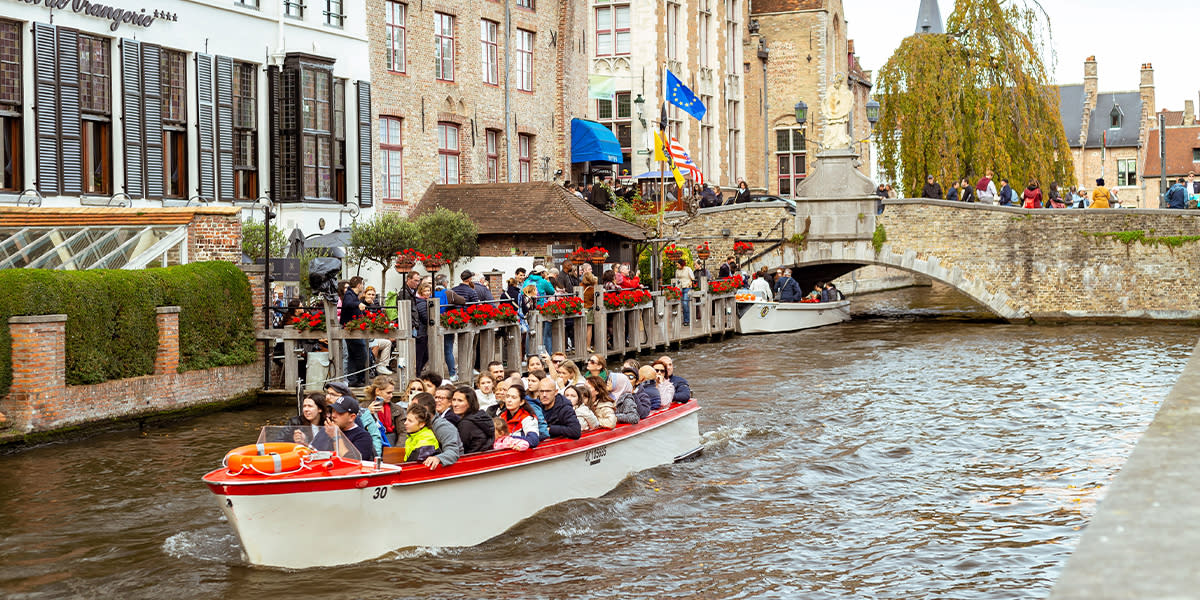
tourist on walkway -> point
(1177, 196)
(1032, 196)
(352, 308)
(985, 189)
(465, 289)
(686, 279)
(966, 191)
(932, 189)
(1006, 193)
(728, 268)
(1100, 195)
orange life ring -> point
(275, 457)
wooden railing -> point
(615, 332)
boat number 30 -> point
(594, 455)
(380, 493)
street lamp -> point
(801, 112)
(872, 112)
(268, 214)
(639, 106)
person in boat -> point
(485, 391)
(576, 394)
(761, 287)
(815, 294)
(683, 391)
(474, 426)
(496, 370)
(310, 420)
(666, 389)
(449, 445)
(786, 288)
(415, 387)
(604, 408)
(623, 401)
(519, 415)
(420, 444)
(597, 366)
(646, 392)
(568, 374)
(559, 414)
(831, 293)
(343, 413)
(441, 399)
(536, 362)
(390, 414)
(505, 441)
(337, 389)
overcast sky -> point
(1121, 34)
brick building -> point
(795, 49)
(1107, 132)
(1182, 151)
(473, 91)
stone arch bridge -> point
(1046, 265)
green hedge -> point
(111, 330)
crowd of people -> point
(437, 422)
(985, 191)
(780, 286)
(602, 193)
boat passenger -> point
(441, 399)
(390, 414)
(421, 443)
(832, 294)
(760, 287)
(496, 370)
(485, 391)
(568, 374)
(449, 445)
(504, 441)
(646, 393)
(415, 387)
(786, 288)
(557, 358)
(575, 394)
(474, 425)
(683, 391)
(815, 294)
(535, 363)
(531, 380)
(342, 414)
(596, 366)
(666, 389)
(519, 416)
(337, 389)
(312, 416)
(559, 414)
(623, 400)
(605, 408)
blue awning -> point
(591, 141)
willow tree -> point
(975, 98)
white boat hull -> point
(777, 317)
(375, 517)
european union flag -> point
(679, 95)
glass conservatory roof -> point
(91, 246)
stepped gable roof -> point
(1180, 143)
(1130, 104)
(525, 209)
(1070, 110)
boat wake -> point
(213, 544)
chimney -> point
(1091, 89)
(1189, 113)
(1147, 96)
(850, 46)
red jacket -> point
(1033, 198)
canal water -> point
(921, 451)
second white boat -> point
(778, 317)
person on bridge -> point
(1032, 197)
(786, 288)
(985, 189)
(1177, 196)
(1006, 193)
(932, 189)
(1100, 195)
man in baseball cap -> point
(343, 412)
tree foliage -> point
(379, 238)
(976, 98)
(252, 240)
(450, 232)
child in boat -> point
(421, 442)
(504, 441)
(583, 410)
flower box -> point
(309, 321)
(725, 285)
(672, 292)
(626, 299)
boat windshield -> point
(322, 438)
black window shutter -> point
(131, 101)
(365, 184)
(273, 143)
(204, 101)
(70, 136)
(225, 126)
(45, 89)
(152, 124)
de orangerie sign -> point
(118, 16)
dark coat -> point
(476, 432)
(466, 291)
(483, 292)
(627, 410)
(1006, 195)
(561, 419)
(932, 190)
(724, 271)
(350, 310)
(683, 391)
(647, 397)
(787, 290)
(1177, 196)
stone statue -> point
(838, 103)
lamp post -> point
(801, 113)
(639, 107)
(268, 214)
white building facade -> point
(160, 104)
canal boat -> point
(377, 507)
(759, 316)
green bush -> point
(111, 330)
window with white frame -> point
(489, 50)
(702, 34)
(391, 155)
(1127, 171)
(733, 137)
(790, 159)
(493, 155)
(448, 154)
(618, 117)
(613, 36)
(707, 135)
(524, 60)
(396, 17)
(443, 46)
(733, 38)
(524, 156)
(672, 31)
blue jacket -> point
(647, 397)
(787, 290)
(545, 289)
(683, 391)
(1177, 196)
(561, 419)
(540, 412)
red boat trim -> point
(350, 477)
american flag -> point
(684, 162)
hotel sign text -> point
(103, 11)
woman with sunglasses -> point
(596, 366)
(666, 389)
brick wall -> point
(215, 237)
(40, 401)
